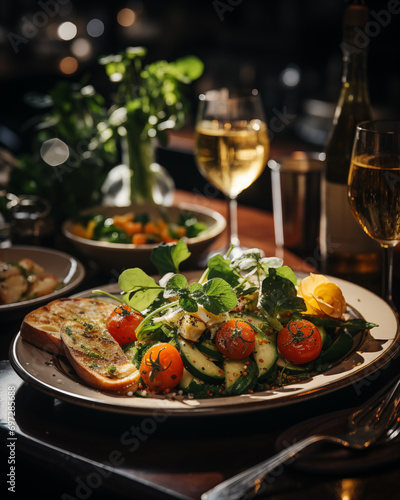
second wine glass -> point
(374, 189)
(231, 147)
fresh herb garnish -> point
(215, 295)
(353, 325)
(140, 289)
(279, 295)
(68, 330)
(219, 267)
(167, 258)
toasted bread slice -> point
(97, 358)
(41, 327)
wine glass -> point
(374, 189)
(231, 147)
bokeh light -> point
(54, 152)
(68, 65)
(67, 31)
(95, 28)
(81, 48)
(126, 17)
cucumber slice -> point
(265, 354)
(198, 364)
(340, 346)
(187, 378)
(291, 368)
(240, 376)
(253, 320)
(208, 348)
(233, 370)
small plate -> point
(55, 376)
(67, 269)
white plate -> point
(67, 269)
(376, 349)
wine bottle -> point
(346, 249)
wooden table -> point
(255, 227)
(65, 451)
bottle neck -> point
(355, 42)
(355, 70)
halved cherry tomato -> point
(161, 368)
(299, 342)
(122, 324)
(235, 339)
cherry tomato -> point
(235, 339)
(299, 341)
(161, 368)
(122, 324)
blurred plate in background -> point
(68, 270)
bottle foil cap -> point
(356, 15)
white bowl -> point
(119, 256)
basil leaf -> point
(167, 258)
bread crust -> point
(41, 327)
(76, 328)
(97, 358)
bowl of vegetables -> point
(119, 237)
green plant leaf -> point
(167, 258)
(132, 52)
(190, 68)
(140, 290)
(216, 296)
(353, 325)
(288, 273)
(175, 285)
(279, 295)
(194, 287)
(187, 303)
(219, 267)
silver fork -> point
(377, 418)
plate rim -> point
(80, 275)
(369, 368)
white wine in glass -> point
(374, 188)
(231, 147)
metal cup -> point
(297, 187)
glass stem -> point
(233, 222)
(387, 275)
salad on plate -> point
(249, 324)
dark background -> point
(256, 43)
